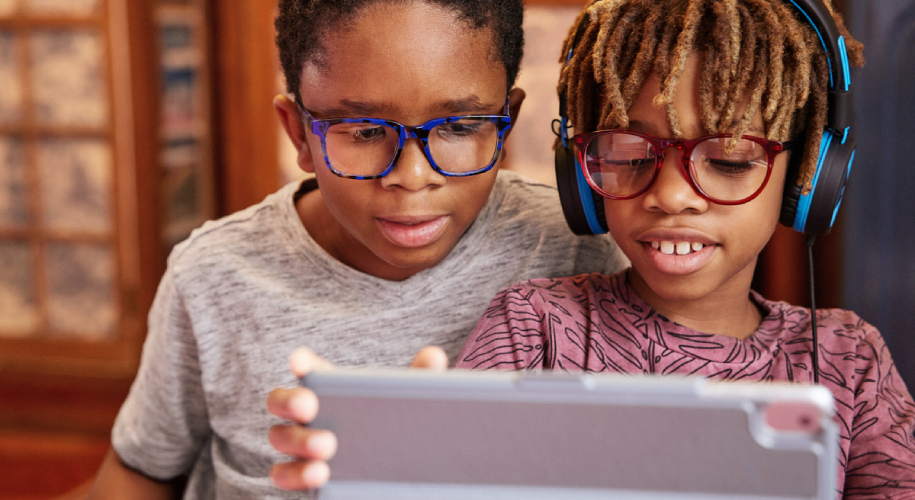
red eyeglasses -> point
(623, 164)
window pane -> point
(13, 189)
(76, 7)
(10, 84)
(81, 291)
(18, 310)
(68, 78)
(76, 184)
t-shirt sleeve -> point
(509, 335)
(881, 456)
(163, 424)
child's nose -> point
(412, 170)
(672, 192)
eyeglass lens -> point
(624, 164)
(366, 149)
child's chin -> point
(415, 260)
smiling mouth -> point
(677, 247)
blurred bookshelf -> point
(185, 130)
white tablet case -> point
(416, 434)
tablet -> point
(419, 434)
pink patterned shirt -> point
(597, 323)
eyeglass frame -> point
(686, 146)
(320, 126)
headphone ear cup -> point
(792, 191)
(583, 209)
(826, 197)
(599, 210)
(815, 212)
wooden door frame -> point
(245, 73)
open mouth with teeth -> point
(678, 248)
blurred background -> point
(124, 124)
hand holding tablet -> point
(311, 448)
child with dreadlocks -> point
(400, 109)
(685, 110)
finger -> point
(298, 404)
(300, 475)
(304, 361)
(432, 357)
(303, 442)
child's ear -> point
(291, 119)
(515, 98)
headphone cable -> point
(813, 311)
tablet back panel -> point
(498, 435)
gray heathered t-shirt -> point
(241, 293)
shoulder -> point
(835, 325)
(847, 343)
(246, 233)
(546, 294)
(516, 195)
(843, 333)
(514, 181)
(519, 327)
(525, 205)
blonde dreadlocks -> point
(755, 48)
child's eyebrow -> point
(349, 107)
(470, 104)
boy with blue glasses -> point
(401, 238)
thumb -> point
(432, 357)
(304, 361)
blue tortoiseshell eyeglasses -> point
(368, 148)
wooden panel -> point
(126, 225)
(247, 126)
(60, 403)
(54, 432)
(45, 465)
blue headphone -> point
(812, 213)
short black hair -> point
(301, 25)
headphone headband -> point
(839, 117)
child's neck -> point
(724, 312)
